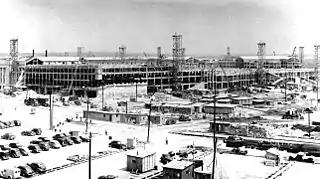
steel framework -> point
(79, 51)
(316, 58)
(122, 51)
(178, 57)
(261, 74)
(13, 62)
(301, 54)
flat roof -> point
(255, 57)
(198, 104)
(243, 98)
(221, 122)
(258, 100)
(141, 154)
(178, 102)
(224, 100)
(123, 113)
(178, 165)
(219, 105)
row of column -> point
(3, 76)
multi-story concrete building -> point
(4, 69)
(57, 73)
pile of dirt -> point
(305, 128)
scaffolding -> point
(316, 70)
(178, 57)
(261, 73)
(79, 52)
(13, 62)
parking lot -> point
(233, 166)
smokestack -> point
(301, 54)
(46, 53)
(32, 52)
(159, 52)
(228, 51)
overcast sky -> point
(207, 26)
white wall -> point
(123, 90)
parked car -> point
(2, 126)
(84, 139)
(15, 145)
(4, 155)
(38, 167)
(8, 136)
(58, 136)
(35, 142)
(54, 144)
(9, 123)
(166, 158)
(76, 139)
(5, 147)
(11, 173)
(44, 146)
(117, 144)
(108, 177)
(24, 151)
(44, 139)
(17, 122)
(68, 141)
(34, 148)
(15, 153)
(28, 133)
(26, 171)
(61, 141)
(184, 118)
(38, 131)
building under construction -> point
(48, 74)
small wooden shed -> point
(141, 161)
(178, 170)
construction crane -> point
(286, 76)
(317, 70)
(73, 77)
(225, 75)
(145, 55)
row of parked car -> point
(58, 141)
(32, 132)
(27, 170)
(16, 150)
(8, 124)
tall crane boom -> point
(73, 77)
(293, 52)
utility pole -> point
(90, 143)
(51, 111)
(136, 81)
(136, 91)
(193, 175)
(149, 118)
(285, 84)
(214, 127)
(87, 116)
(102, 97)
(316, 69)
(309, 111)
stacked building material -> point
(250, 130)
(237, 129)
